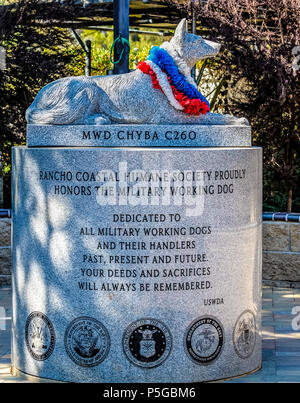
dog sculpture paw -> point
(98, 120)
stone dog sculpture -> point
(160, 91)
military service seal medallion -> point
(244, 334)
(39, 336)
(87, 341)
(204, 340)
(147, 343)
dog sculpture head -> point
(190, 47)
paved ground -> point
(281, 344)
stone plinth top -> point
(138, 136)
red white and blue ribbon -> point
(166, 77)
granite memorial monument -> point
(136, 229)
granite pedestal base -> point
(137, 264)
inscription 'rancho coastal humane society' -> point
(141, 187)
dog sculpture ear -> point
(181, 30)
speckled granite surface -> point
(155, 285)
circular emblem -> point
(244, 334)
(39, 336)
(204, 340)
(87, 341)
(147, 343)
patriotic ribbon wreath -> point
(166, 77)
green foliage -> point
(101, 48)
